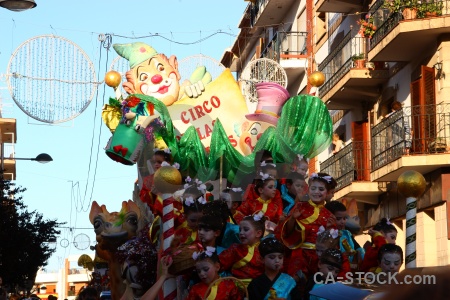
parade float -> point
(206, 124)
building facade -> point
(373, 54)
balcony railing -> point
(386, 20)
(350, 164)
(288, 43)
(256, 10)
(422, 129)
(339, 61)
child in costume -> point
(244, 260)
(329, 239)
(300, 165)
(147, 194)
(265, 167)
(230, 232)
(390, 259)
(329, 265)
(273, 284)
(383, 232)
(209, 230)
(208, 266)
(292, 191)
(347, 243)
(233, 198)
(193, 202)
(299, 230)
(268, 200)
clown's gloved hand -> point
(199, 79)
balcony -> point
(340, 6)
(269, 12)
(400, 39)
(351, 169)
(8, 139)
(9, 163)
(428, 138)
(289, 50)
(344, 84)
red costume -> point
(272, 208)
(370, 261)
(186, 235)
(345, 267)
(243, 261)
(223, 290)
(302, 241)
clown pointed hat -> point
(135, 53)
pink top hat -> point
(271, 98)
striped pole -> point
(412, 185)
(411, 212)
(170, 285)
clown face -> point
(158, 77)
(251, 135)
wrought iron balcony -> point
(422, 129)
(387, 20)
(285, 45)
(339, 61)
(268, 12)
(351, 163)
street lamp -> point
(43, 158)
(18, 5)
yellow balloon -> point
(316, 79)
(167, 180)
(113, 79)
(411, 184)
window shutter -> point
(361, 150)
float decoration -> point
(304, 127)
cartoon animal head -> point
(115, 228)
(150, 73)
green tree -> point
(24, 238)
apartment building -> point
(400, 54)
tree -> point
(24, 238)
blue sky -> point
(61, 189)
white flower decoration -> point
(321, 229)
(264, 176)
(263, 164)
(189, 201)
(186, 185)
(188, 179)
(176, 166)
(167, 150)
(201, 200)
(236, 190)
(334, 233)
(195, 255)
(258, 216)
(300, 156)
(165, 164)
(388, 221)
(210, 251)
(326, 178)
(202, 188)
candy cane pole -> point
(170, 285)
(167, 180)
(411, 184)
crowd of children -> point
(271, 239)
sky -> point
(81, 171)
